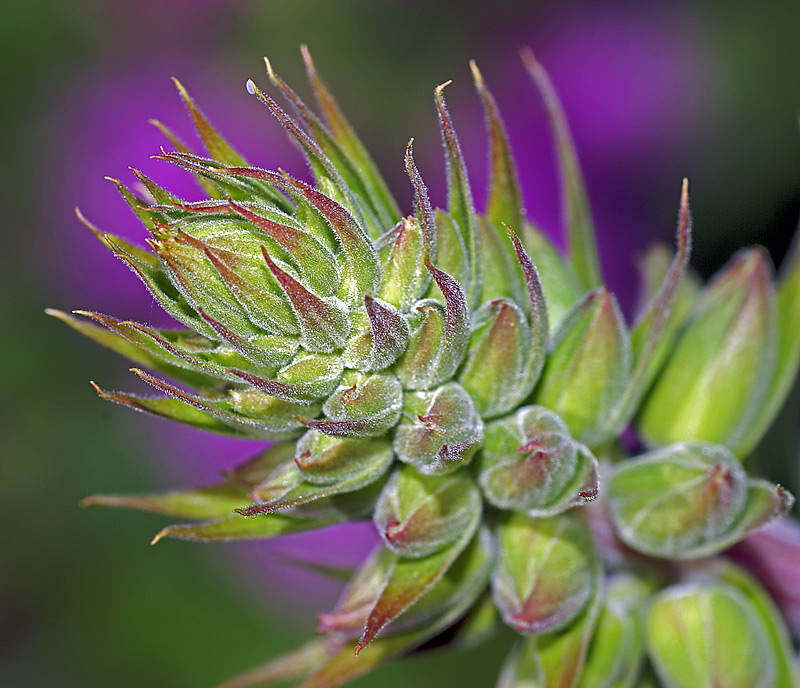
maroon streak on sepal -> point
(422, 203)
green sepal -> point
(616, 651)
(439, 336)
(405, 277)
(323, 320)
(460, 205)
(501, 275)
(717, 378)
(359, 262)
(657, 326)
(440, 430)
(500, 342)
(506, 351)
(529, 463)
(363, 405)
(505, 196)
(287, 487)
(141, 208)
(209, 359)
(212, 416)
(307, 379)
(705, 503)
(787, 305)
(451, 252)
(206, 502)
(418, 515)
(211, 189)
(139, 351)
(409, 580)
(423, 210)
(197, 278)
(356, 185)
(150, 271)
(787, 672)
(580, 227)
(238, 187)
(588, 367)
(545, 573)
(260, 415)
(380, 336)
(214, 501)
(256, 469)
(554, 660)
(559, 285)
(236, 527)
(217, 147)
(284, 236)
(344, 666)
(377, 189)
(325, 173)
(324, 460)
(708, 635)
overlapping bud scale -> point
(452, 375)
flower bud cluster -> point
(453, 376)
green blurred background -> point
(708, 90)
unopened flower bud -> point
(588, 367)
(530, 463)
(418, 515)
(544, 575)
(716, 379)
(715, 626)
(707, 501)
(441, 429)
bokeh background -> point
(654, 92)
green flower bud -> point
(718, 375)
(418, 515)
(362, 406)
(380, 336)
(706, 501)
(588, 367)
(405, 277)
(441, 430)
(439, 336)
(617, 650)
(708, 635)
(499, 344)
(325, 460)
(545, 572)
(529, 463)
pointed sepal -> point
(289, 486)
(362, 406)
(439, 336)
(460, 205)
(505, 196)
(581, 238)
(717, 378)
